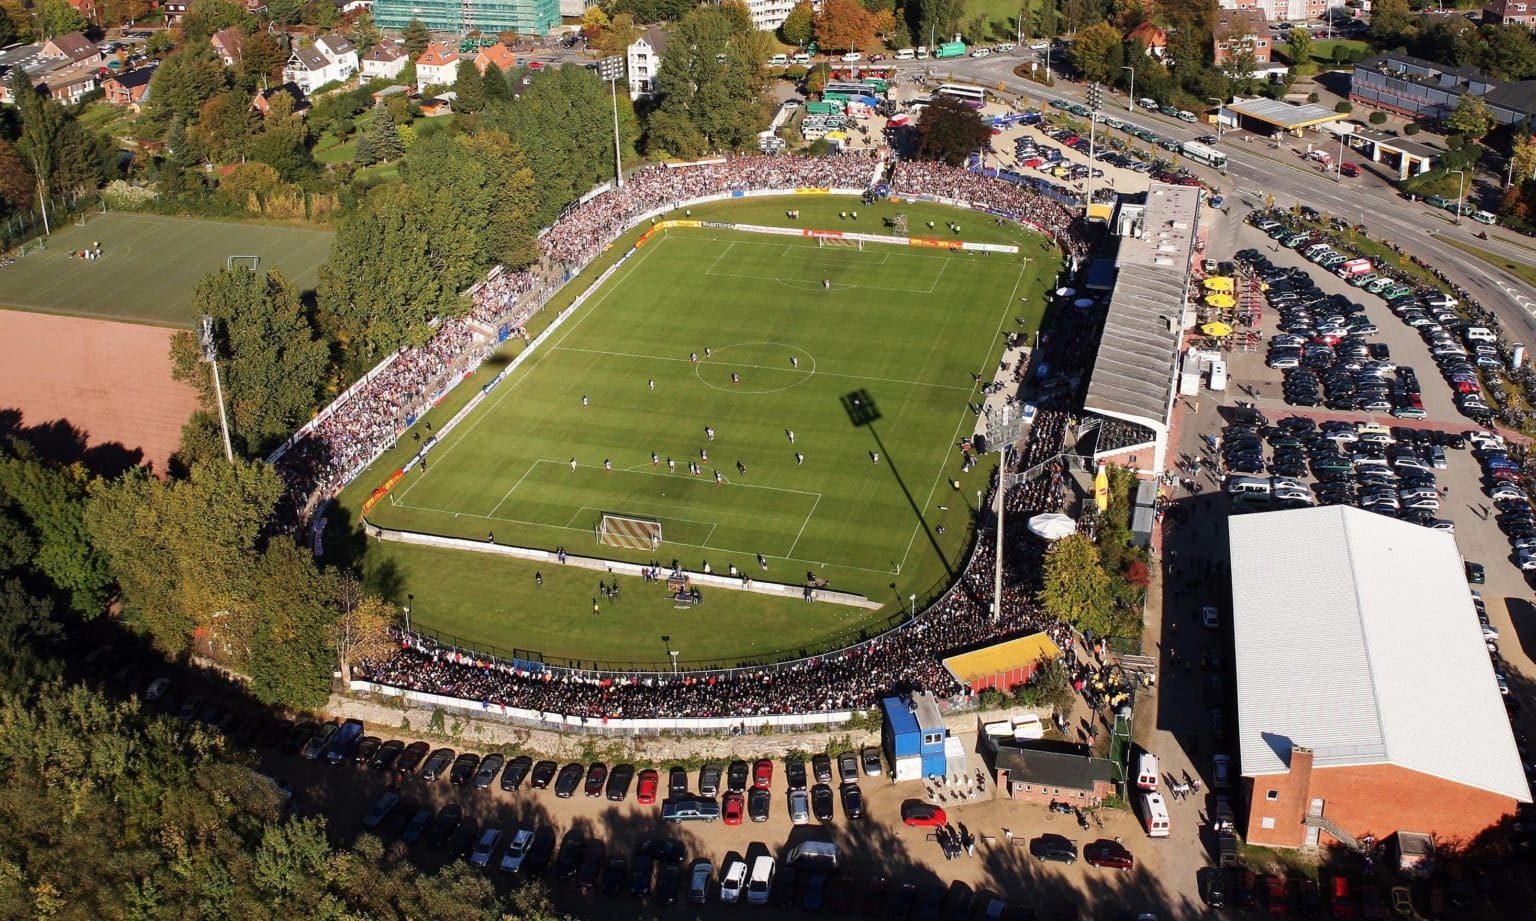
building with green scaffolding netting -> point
(528, 17)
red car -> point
(1342, 906)
(762, 774)
(1111, 855)
(645, 792)
(1349, 169)
(731, 808)
(1276, 897)
(918, 814)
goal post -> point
(824, 242)
(628, 532)
(245, 262)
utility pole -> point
(211, 355)
(1220, 107)
(1095, 97)
(1461, 182)
(610, 69)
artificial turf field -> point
(901, 331)
(150, 265)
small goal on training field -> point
(629, 532)
(245, 262)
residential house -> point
(1048, 771)
(1511, 12)
(331, 59)
(497, 55)
(437, 66)
(229, 44)
(174, 10)
(1236, 30)
(644, 60)
(768, 15)
(128, 89)
(70, 48)
(263, 100)
(1152, 38)
(1284, 10)
(385, 61)
(86, 8)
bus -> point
(973, 96)
(1203, 154)
(846, 88)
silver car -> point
(799, 807)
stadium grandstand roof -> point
(1000, 657)
(1133, 373)
(1337, 652)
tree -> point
(711, 86)
(798, 25)
(261, 60)
(1390, 21)
(1470, 117)
(1377, 118)
(57, 17)
(417, 38)
(1052, 684)
(1240, 67)
(205, 17)
(273, 364)
(52, 500)
(618, 35)
(189, 77)
(364, 32)
(950, 131)
(290, 657)
(18, 187)
(224, 127)
(844, 25)
(939, 19)
(1091, 51)
(15, 24)
(361, 630)
(283, 142)
(1508, 52)
(60, 155)
(470, 87)
(383, 141)
(285, 12)
(1298, 46)
(1523, 155)
(1076, 588)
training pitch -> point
(150, 265)
(707, 329)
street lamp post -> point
(673, 654)
(410, 600)
(211, 355)
(1095, 97)
(610, 69)
(1338, 168)
(1220, 107)
(1130, 102)
(912, 604)
(1461, 181)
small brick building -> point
(1046, 770)
(1366, 699)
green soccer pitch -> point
(880, 363)
(150, 265)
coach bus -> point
(844, 88)
(1203, 154)
(973, 96)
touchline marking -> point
(723, 254)
(808, 516)
(508, 494)
(855, 377)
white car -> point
(761, 880)
(1527, 560)
(852, 57)
(733, 880)
(980, 53)
(1221, 771)
(517, 851)
(1039, 45)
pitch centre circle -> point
(754, 367)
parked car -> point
(597, 778)
(485, 775)
(568, 781)
(733, 880)
(517, 850)
(619, 780)
(543, 773)
(485, 847)
(918, 814)
(645, 789)
(1052, 847)
(437, 764)
(1108, 854)
(821, 802)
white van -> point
(1154, 815)
(760, 881)
(906, 54)
(779, 60)
(801, 59)
(1146, 771)
(1479, 334)
(922, 52)
(1484, 217)
(1239, 485)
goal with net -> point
(245, 262)
(629, 532)
(824, 242)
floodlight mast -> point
(211, 355)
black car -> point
(485, 775)
(821, 768)
(437, 764)
(1054, 848)
(463, 840)
(543, 773)
(568, 781)
(736, 776)
(668, 879)
(367, 747)
(619, 780)
(853, 801)
(540, 851)
(569, 859)
(709, 780)
(384, 758)
(641, 875)
(614, 875)
(794, 772)
(784, 885)
(821, 802)
(464, 769)
(516, 772)
(444, 825)
(666, 850)
(677, 783)
(758, 803)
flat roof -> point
(1284, 114)
(1406, 145)
(897, 714)
(1337, 651)
(1133, 372)
(1001, 657)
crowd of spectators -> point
(998, 196)
(584, 229)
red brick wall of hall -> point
(1379, 799)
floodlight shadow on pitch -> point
(861, 408)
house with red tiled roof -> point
(1152, 38)
(437, 66)
(72, 47)
(129, 88)
(230, 45)
(498, 55)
